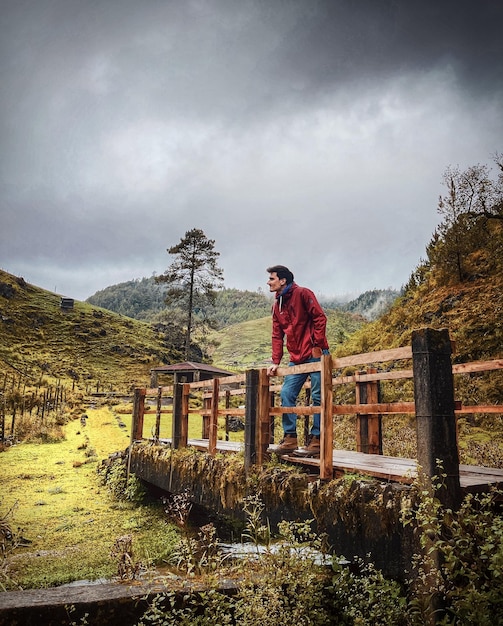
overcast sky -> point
(309, 133)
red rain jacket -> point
(298, 316)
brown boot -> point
(311, 450)
(286, 446)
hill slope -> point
(85, 345)
(248, 344)
(471, 311)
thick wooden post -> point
(435, 417)
(326, 421)
(184, 418)
(176, 422)
(368, 425)
(138, 414)
(213, 422)
(263, 418)
(251, 404)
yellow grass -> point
(70, 520)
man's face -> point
(275, 284)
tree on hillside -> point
(469, 239)
(192, 279)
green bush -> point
(459, 570)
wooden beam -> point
(138, 414)
(326, 422)
(368, 425)
(252, 383)
(176, 423)
(213, 423)
(477, 366)
(381, 407)
(435, 419)
(263, 419)
(395, 354)
(184, 427)
(158, 414)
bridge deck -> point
(472, 478)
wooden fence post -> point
(176, 421)
(138, 414)
(158, 414)
(184, 418)
(326, 421)
(368, 425)
(205, 434)
(435, 417)
(227, 416)
(252, 385)
(263, 418)
(272, 418)
(213, 422)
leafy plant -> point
(113, 474)
(459, 570)
(198, 553)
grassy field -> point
(68, 520)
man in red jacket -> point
(298, 316)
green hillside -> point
(248, 344)
(85, 346)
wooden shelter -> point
(187, 372)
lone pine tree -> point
(192, 279)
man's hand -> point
(271, 370)
(316, 352)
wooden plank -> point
(394, 354)
(358, 377)
(263, 420)
(396, 469)
(481, 408)
(158, 413)
(482, 471)
(368, 425)
(213, 425)
(305, 368)
(184, 426)
(326, 421)
(225, 380)
(477, 366)
(380, 407)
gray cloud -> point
(311, 133)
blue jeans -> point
(289, 392)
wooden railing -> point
(434, 405)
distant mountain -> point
(372, 304)
(144, 298)
(139, 299)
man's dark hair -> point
(282, 272)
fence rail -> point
(434, 405)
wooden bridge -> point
(251, 397)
